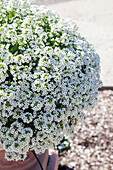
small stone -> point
(111, 156)
(72, 164)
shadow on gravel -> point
(64, 167)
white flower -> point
(49, 75)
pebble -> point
(72, 164)
(111, 156)
(92, 140)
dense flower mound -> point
(49, 75)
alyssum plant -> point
(49, 75)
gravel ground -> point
(92, 144)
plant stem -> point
(37, 160)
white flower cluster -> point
(49, 75)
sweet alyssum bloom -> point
(49, 75)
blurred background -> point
(95, 21)
(92, 145)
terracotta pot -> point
(49, 161)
